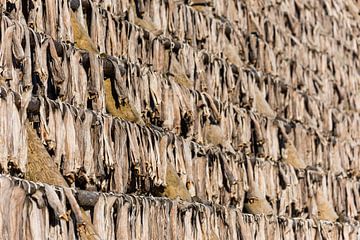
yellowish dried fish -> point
(325, 209)
(81, 37)
(200, 2)
(178, 74)
(262, 106)
(148, 25)
(255, 203)
(291, 156)
(175, 188)
(232, 54)
(121, 108)
(213, 134)
(289, 153)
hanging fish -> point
(81, 37)
(121, 108)
(174, 187)
(214, 135)
(255, 203)
(325, 209)
(289, 152)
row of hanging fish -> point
(262, 32)
(175, 17)
(43, 212)
(108, 154)
(211, 107)
(75, 91)
(79, 94)
(84, 147)
(179, 111)
(100, 95)
(276, 59)
(180, 75)
(328, 186)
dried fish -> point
(120, 107)
(81, 37)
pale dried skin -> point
(5, 189)
(6, 53)
(3, 133)
(325, 209)
(36, 221)
(123, 225)
(12, 140)
(16, 205)
(71, 144)
(214, 135)
(55, 203)
(193, 220)
(103, 212)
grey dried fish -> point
(55, 203)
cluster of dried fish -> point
(130, 217)
(94, 149)
(30, 211)
(295, 105)
(250, 105)
(298, 68)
